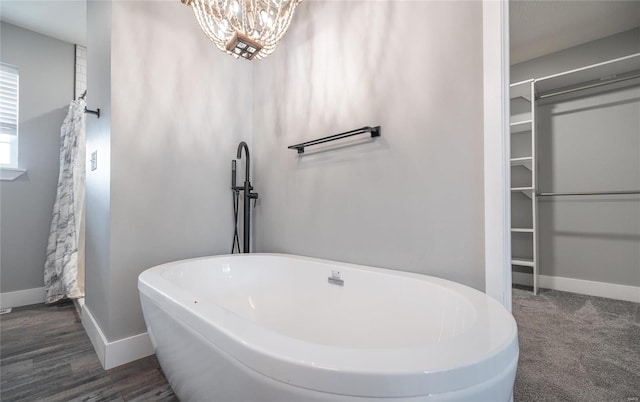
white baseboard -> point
(116, 353)
(591, 288)
(79, 304)
(98, 340)
(22, 298)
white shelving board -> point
(526, 161)
(519, 117)
(522, 230)
(596, 72)
(528, 191)
(521, 89)
(523, 262)
(520, 126)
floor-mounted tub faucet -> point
(248, 195)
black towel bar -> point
(375, 132)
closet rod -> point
(591, 193)
(593, 85)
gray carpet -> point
(576, 348)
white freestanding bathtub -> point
(269, 327)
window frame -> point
(12, 139)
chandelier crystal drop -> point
(249, 29)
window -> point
(9, 81)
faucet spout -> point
(241, 146)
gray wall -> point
(161, 191)
(589, 141)
(410, 200)
(26, 204)
(176, 107)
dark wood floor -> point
(45, 355)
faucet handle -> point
(253, 196)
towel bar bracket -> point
(96, 112)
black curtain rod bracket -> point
(96, 112)
(375, 132)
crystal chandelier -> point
(244, 28)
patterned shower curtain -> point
(64, 266)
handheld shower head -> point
(233, 174)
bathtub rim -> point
(263, 350)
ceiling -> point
(540, 27)
(64, 20)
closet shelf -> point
(595, 74)
(523, 262)
(523, 116)
(521, 89)
(526, 161)
(528, 191)
(519, 126)
(522, 230)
